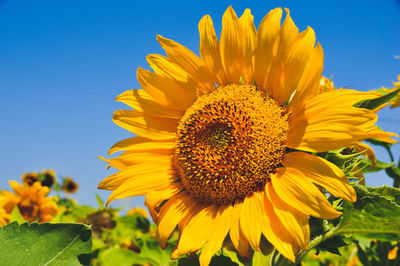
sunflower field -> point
(245, 154)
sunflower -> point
(225, 143)
(69, 185)
(31, 201)
(47, 177)
(30, 178)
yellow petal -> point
(308, 85)
(155, 197)
(195, 231)
(291, 65)
(146, 126)
(141, 101)
(294, 221)
(231, 46)
(139, 185)
(327, 123)
(321, 172)
(209, 50)
(274, 231)
(238, 239)
(129, 158)
(250, 221)
(382, 135)
(263, 55)
(164, 67)
(249, 41)
(18, 189)
(220, 230)
(140, 144)
(165, 91)
(113, 181)
(171, 213)
(296, 190)
(188, 61)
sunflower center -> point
(229, 142)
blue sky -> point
(62, 63)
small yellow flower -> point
(31, 201)
(211, 152)
(69, 185)
(139, 211)
(30, 178)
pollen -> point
(229, 142)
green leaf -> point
(45, 244)
(100, 202)
(135, 221)
(151, 250)
(372, 104)
(121, 257)
(366, 164)
(390, 193)
(375, 214)
(16, 216)
(77, 212)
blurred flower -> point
(31, 201)
(47, 177)
(30, 178)
(138, 210)
(218, 128)
(4, 210)
(393, 253)
(326, 85)
(69, 185)
(100, 220)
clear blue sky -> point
(62, 63)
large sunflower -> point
(225, 142)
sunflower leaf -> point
(372, 104)
(45, 244)
(367, 166)
(120, 256)
(375, 214)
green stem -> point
(315, 242)
(396, 181)
(390, 153)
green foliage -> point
(367, 166)
(372, 215)
(45, 244)
(119, 256)
(372, 104)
